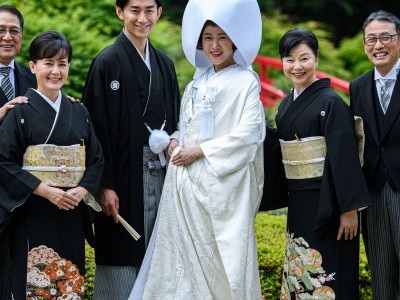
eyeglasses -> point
(12, 32)
(384, 39)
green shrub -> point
(90, 269)
(271, 240)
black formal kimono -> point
(23, 79)
(325, 266)
(47, 244)
(117, 96)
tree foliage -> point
(343, 18)
(91, 25)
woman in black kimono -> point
(325, 183)
(50, 169)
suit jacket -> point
(24, 79)
(382, 141)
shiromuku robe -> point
(116, 94)
(204, 241)
(316, 263)
(47, 245)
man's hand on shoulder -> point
(10, 104)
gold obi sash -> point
(305, 158)
(61, 166)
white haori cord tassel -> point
(158, 142)
(206, 121)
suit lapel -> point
(393, 109)
(23, 79)
(3, 98)
(367, 93)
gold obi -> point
(305, 158)
(61, 166)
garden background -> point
(90, 25)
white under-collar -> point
(56, 104)
(145, 60)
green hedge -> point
(271, 239)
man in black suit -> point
(375, 96)
(21, 78)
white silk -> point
(239, 19)
(204, 244)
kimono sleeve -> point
(236, 149)
(95, 100)
(17, 185)
(348, 181)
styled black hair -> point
(48, 44)
(122, 3)
(382, 15)
(295, 37)
(199, 45)
(13, 10)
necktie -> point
(385, 96)
(6, 85)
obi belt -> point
(59, 166)
(303, 158)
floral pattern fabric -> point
(303, 274)
(51, 277)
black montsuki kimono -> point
(23, 79)
(116, 94)
(37, 225)
(315, 204)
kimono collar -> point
(56, 104)
(145, 60)
(239, 19)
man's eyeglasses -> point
(384, 39)
(12, 32)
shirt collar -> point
(11, 65)
(392, 75)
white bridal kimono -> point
(204, 243)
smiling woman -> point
(50, 65)
(51, 196)
(208, 204)
(323, 177)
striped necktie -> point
(385, 96)
(6, 85)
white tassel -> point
(206, 122)
(182, 132)
(158, 142)
(163, 160)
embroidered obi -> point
(305, 158)
(60, 166)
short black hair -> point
(295, 37)
(382, 15)
(122, 3)
(48, 44)
(13, 10)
